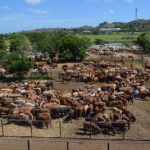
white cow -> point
(2, 72)
(34, 71)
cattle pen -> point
(23, 134)
(69, 130)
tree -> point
(59, 43)
(144, 41)
(67, 55)
(19, 42)
(18, 63)
(2, 42)
(75, 46)
(41, 41)
(140, 39)
(99, 41)
(56, 37)
(96, 31)
(2, 48)
(147, 42)
(3, 54)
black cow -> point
(131, 116)
(106, 127)
(60, 112)
(119, 125)
(49, 84)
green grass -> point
(115, 37)
(7, 42)
(39, 77)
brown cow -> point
(54, 65)
(42, 116)
(4, 110)
(92, 127)
(130, 57)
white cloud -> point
(34, 2)
(37, 11)
(4, 7)
(109, 12)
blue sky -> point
(17, 15)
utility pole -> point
(136, 14)
(136, 19)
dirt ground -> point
(52, 144)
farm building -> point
(110, 29)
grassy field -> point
(7, 42)
(115, 37)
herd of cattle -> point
(104, 108)
(104, 72)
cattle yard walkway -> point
(16, 143)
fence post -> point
(67, 145)
(60, 129)
(112, 57)
(108, 146)
(31, 128)
(28, 143)
(90, 131)
(123, 134)
(142, 58)
(2, 127)
(51, 72)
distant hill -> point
(138, 25)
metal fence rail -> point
(58, 129)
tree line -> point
(14, 47)
(69, 47)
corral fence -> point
(54, 144)
(72, 130)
